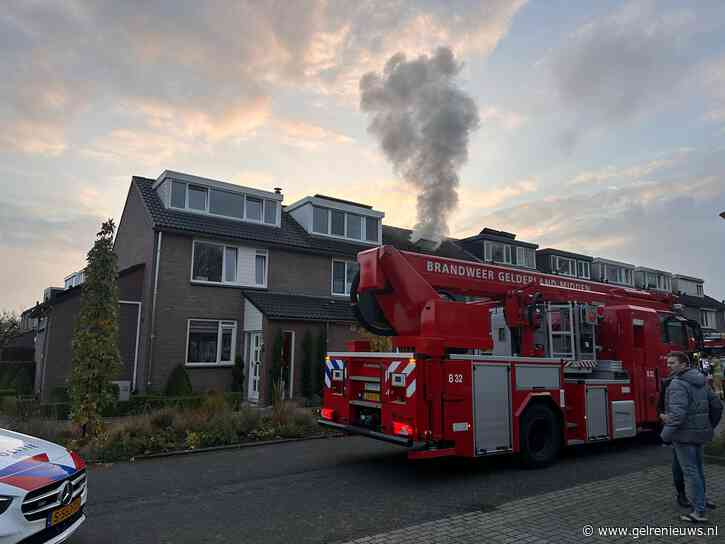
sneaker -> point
(710, 505)
(683, 501)
(694, 517)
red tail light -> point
(327, 413)
(403, 429)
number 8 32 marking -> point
(455, 378)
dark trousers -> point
(677, 477)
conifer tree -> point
(96, 358)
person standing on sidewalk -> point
(692, 411)
(678, 478)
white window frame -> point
(363, 226)
(224, 259)
(700, 290)
(708, 318)
(222, 324)
(507, 252)
(332, 278)
(586, 267)
(572, 266)
(521, 253)
(206, 211)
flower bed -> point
(212, 423)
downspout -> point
(153, 310)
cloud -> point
(615, 68)
(508, 120)
(634, 172)
(670, 224)
(713, 80)
(208, 69)
(309, 136)
(140, 147)
(479, 202)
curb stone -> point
(241, 445)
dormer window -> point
(344, 224)
(198, 198)
(219, 199)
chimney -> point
(278, 190)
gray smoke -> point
(423, 121)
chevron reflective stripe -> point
(410, 389)
(392, 367)
(332, 364)
(408, 369)
(580, 364)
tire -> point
(539, 436)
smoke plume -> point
(423, 122)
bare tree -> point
(9, 327)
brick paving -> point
(632, 502)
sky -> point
(601, 124)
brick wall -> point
(136, 243)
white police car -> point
(43, 490)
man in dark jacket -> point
(692, 411)
(677, 477)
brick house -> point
(229, 269)
(55, 321)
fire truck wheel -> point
(540, 437)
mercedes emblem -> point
(65, 495)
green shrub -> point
(179, 384)
(59, 394)
(248, 419)
(8, 393)
(163, 419)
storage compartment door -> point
(597, 413)
(492, 408)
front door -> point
(254, 351)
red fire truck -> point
(489, 360)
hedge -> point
(139, 404)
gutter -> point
(153, 309)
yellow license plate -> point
(374, 397)
(62, 514)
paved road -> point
(331, 490)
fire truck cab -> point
(489, 360)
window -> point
(708, 319)
(178, 194)
(254, 208)
(230, 264)
(208, 262)
(224, 264)
(525, 257)
(582, 269)
(337, 223)
(343, 273)
(497, 252)
(676, 333)
(214, 201)
(563, 266)
(226, 203)
(371, 229)
(354, 227)
(700, 291)
(197, 197)
(320, 220)
(211, 342)
(260, 268)
(650, 280)
(270, 212)
(617, 274)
